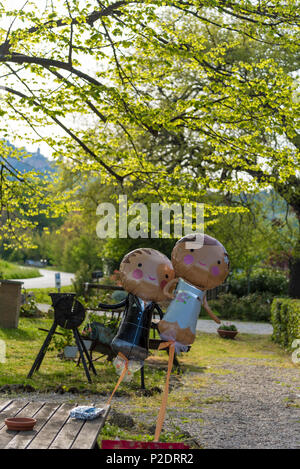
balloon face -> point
(205, 267)
(145, 272)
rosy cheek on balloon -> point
(188, 259)
(215, 271)
(137, 274)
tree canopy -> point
(111, 62)
(169, 98)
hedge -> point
(261, 280)
(285, 318)
(252, 307)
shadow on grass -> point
(193, 368)
(17, 334)
(28, 329)
(44, 381)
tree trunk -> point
(294, 285)
(248, 281)
(290, 191)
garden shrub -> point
(252, 307)
(30, 309)
(82, 276)
(285, 318)
(261, 280)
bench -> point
(106, 350)
(54, 428)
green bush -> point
(227, 327)
(83, 275)
(261, 280)
(285, 318)
(30, 310)
(252, 307)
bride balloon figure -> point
(199, 266)
(144, 273)
(200, 263)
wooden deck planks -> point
(4, 403)
(67, 434)
(91, 429)
(22, 439)
(54, 428)
(49, 431)
(28, 410)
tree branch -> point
(90, 18)
(68, 131)
(21, 58)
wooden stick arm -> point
(209, 311)
(167, 288)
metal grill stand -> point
(68, 314)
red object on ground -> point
(124, 444)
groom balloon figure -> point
(144, 273)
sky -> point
(87, 65)
(5, 23)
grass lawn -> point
(23, 344)
(9, 270)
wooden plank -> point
(87, 437)
(4, 403)
(11, 411)
(67, 434)
(22, 439)
(49, 431)
(28, 411)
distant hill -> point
(25, 163)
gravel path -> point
(255, 405)
(243, 403)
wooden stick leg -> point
(162, 410)
(142, 378)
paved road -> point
(47, 280)
(207, 325)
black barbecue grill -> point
(69, 313)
